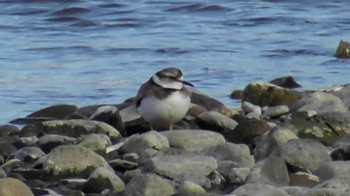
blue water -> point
(90, 52)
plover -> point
(164, 100)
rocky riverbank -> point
(279, 142)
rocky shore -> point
(281, 141)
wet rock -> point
(230, 152)
(84, 112)
(246, 130)
(172, 166)
(96, 142)
(102, 179)
(148, 185)
(29, 154)
(71, 128)
(343, 50)
(111, 116)
(266, 94)
(285, 82)
(303, 153)
(50, 141)
(12, 186)
(258, 189)
(303, 179)
(9, 133)
(138, 143)
(266, 143)
(216, 122)
(66, 161)
(193, 139)
(199, 98)
(276, 111)
(271, 170)
(341, 153)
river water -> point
(91, 52)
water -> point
(90, 52)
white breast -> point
(166, 111)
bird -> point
(164, 100)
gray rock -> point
(26, 141)
(148, 185)
(295, 190)
(276, 111)
(258, 190)
(138, 143)
(72, 128)
(231, 152)
(6, 149)
(332, 169)
(190, 188)
(96, 142)
(193, 139)
(251, 108)
(171, 166)
(320, 102)
(11, 164)
(303, 179)
(132, 120)
(12, 186)
(271, 170)
(2, 173)
(344, 94)
(247, 130)
(341, 153)
(344, 140)
(325, 191)
(102, 179)
(9, 133)
(216, 121)
(122, 165)
(66, 161)
(200, 98)
(50, 141)
(303, 153)
(238, 175)
(285, 82)
(29, 154)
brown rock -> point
(12, 186)
(343, 50)
(303, 179)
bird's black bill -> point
(187, 83)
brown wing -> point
(143, 90)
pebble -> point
(216, 121)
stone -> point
(66, 161)
(295, 190)
(171, 166)
(325, 191)
(196, 110)
(122, 165)
(320, 102)
(276, 111)
(303, 153)
(303, 179)
(215, 121)
(248, 108)
(228, 111)
(334, 169)
(343, 50)
(25, 141)
(258, 190)
(9, 133)
(29, 154)
(285, 82)
(12, 164)
(238, 175)
(96, 142)
(247, 130)
(271, 170)
(50, 141)
(148, 185)
(237, 94)
(111, 116)
(266, 94)
(343, 92)
(71, 128)
(200, 98)
(6, 149)
(133, 122)
(341, 153)
(102, 179)
(193, 139)
(12, 186)
(138, 143)
(230, 152)
(190, 188)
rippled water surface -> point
(88, 52)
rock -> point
(29, 154)
(66, 161)
(285, 82)
(237, 94)
(84, 112)
(12, 187)
(204, 100)
(50, 141)
(171, 166)
(133, 121)
(122, 165)
(267, 142)
(266, 94)
(25, 141)
(248, 108)
(271, 170)
(343, 50)
(9, 133)
(193, 139)
(303, 153)
(276, 111)
(6, 149)
(341, 154)
(196, 110)
(247, 130)
(102, 179)
(325, 191)
(148, 185)
(258, 190)
(334, 169)
(228, 111)
(295, 190)
(71, 128)
(190, 188)
(138, 143)
(303, 179)
(238, 175)
(230, 152)
(2, 173)
(111, 116)
(216, 122)
(96, 142)
(343, 93)
(342, 141)
(11, 164)
(320, 102)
